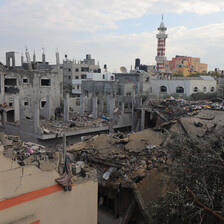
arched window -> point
(111, 78)
(163, 89)
(103, 76)
(204, 89)
(195, 89)
(180, 89)
(212, 89)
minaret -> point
(160, 58)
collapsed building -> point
(130, 168)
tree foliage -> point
(198, 172)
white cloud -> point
(90, 15)
(56, 23)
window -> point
(163, 89)
(26, 103)
(10, 82)
(69, 77)
(77, 86)
(76, 77)
(111, 78)
(204, 89)
(86, 93)
(195, 89)
(69, 69)
(43, 103)
(212, 89)
(77, 102)
(83, 69)
(103, 76)
(77, 70)
(25, 80)
(179, 89)
(45, 82)
(147, 79)
(10, 104)
(83, 76)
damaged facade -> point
(29, 193)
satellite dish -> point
(123, 69)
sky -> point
(114, 32)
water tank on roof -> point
(137, 63)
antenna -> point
(162, 16)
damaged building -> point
(22, 91)
(29, 193)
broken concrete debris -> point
(76, 122)
(130, 164)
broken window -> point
(43, 103)
(111, 78)
(10, 104)
(83, 76)
(204, 89)
(103, 76)
(195, 89)
(212, 89)
(77, 70)
(10, 116)
(26, 103)
(25, 80)
(163, 89)
(10, 82)
(76, 77)
(179, 89)
(77, 102)
(45, 82)
(77, 86)
(69, 69)
(86, 93)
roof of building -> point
(162, 25)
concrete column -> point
(101, 105)
(49, 107)
(66, 108)
(16, 109)
(133, 108)
(13, 62)
(36, 117)
(108, 103)
(94, 106)
(82, 105)
(4, 119)
(143, 119)
(111, 104)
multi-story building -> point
(183, 85)
(77, 83)
(73, 70)
(185, 65)
(21, 88)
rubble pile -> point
(121, 159)
(171, 108)
(26, 153)
(75, 123)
